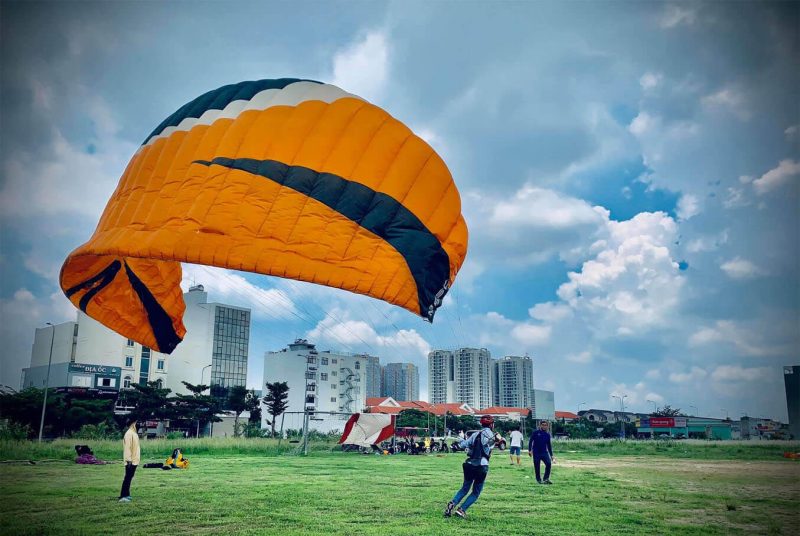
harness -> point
(476, 451)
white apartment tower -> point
(513, 381)
(319, 382)
(463, 375)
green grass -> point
(247, 489)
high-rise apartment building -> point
(513, 381)
(320, 382)
(401, 381)
(373, 376)
(463, 375)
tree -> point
(666, 411)
(276, 400)
(197, 407)
(237, 403)
(254, 407)
(150, 402)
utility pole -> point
(47, 380)
(622, 417)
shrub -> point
(12, 431)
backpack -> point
(476, 451)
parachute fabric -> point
(290, 178)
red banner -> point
(662, 422)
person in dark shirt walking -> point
(542, 451)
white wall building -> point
(441, 377)
(214, 350)
(320, 382)
(86, 341)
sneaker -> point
(461, 513)
(538, 481)
(547, 481)
(448, 510)
(125, 499)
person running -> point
(542, 451)
(479, 449)
(516, 445)
(131, 454)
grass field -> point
(249, 490)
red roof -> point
(377, 401)
(386, 410)
(502, 410)
(565, 415)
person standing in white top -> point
(516, 445)
(131, 454)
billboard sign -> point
(663, 422)
(94, 369)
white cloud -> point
(550, 311)
(745, 179)
(583, 357)
(739, 268)
(632, 282)
(776, 177)
(677, 15)
(650, 80)
(707, 243)
(736, 198)
(733, 373)
(653, 374)
(791, 131)
(362, 68)
(35, 183)
(746, 340)
(229, 287)
(531, 334)
(643, 123)
(688, 206)
(728, 98)
(539, 207)
(695, 374)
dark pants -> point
(126, 484)
(545, 457)
(474, 477)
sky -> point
(628, 172)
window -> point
(160, 383)
(309, 399)
(324, 376)
(126, 383)
(311, 375)
(129, 361)
(311, 360)
(358, 365)
(333, 373)
(324, 360)
(333, 399)
(334, 361)
(130, 342)
(333, 386)
(160, 364)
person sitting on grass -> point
(131, 454)
(542, 451)
(479, 449)
(516, 445)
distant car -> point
(499, 441)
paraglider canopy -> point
(287, 177)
